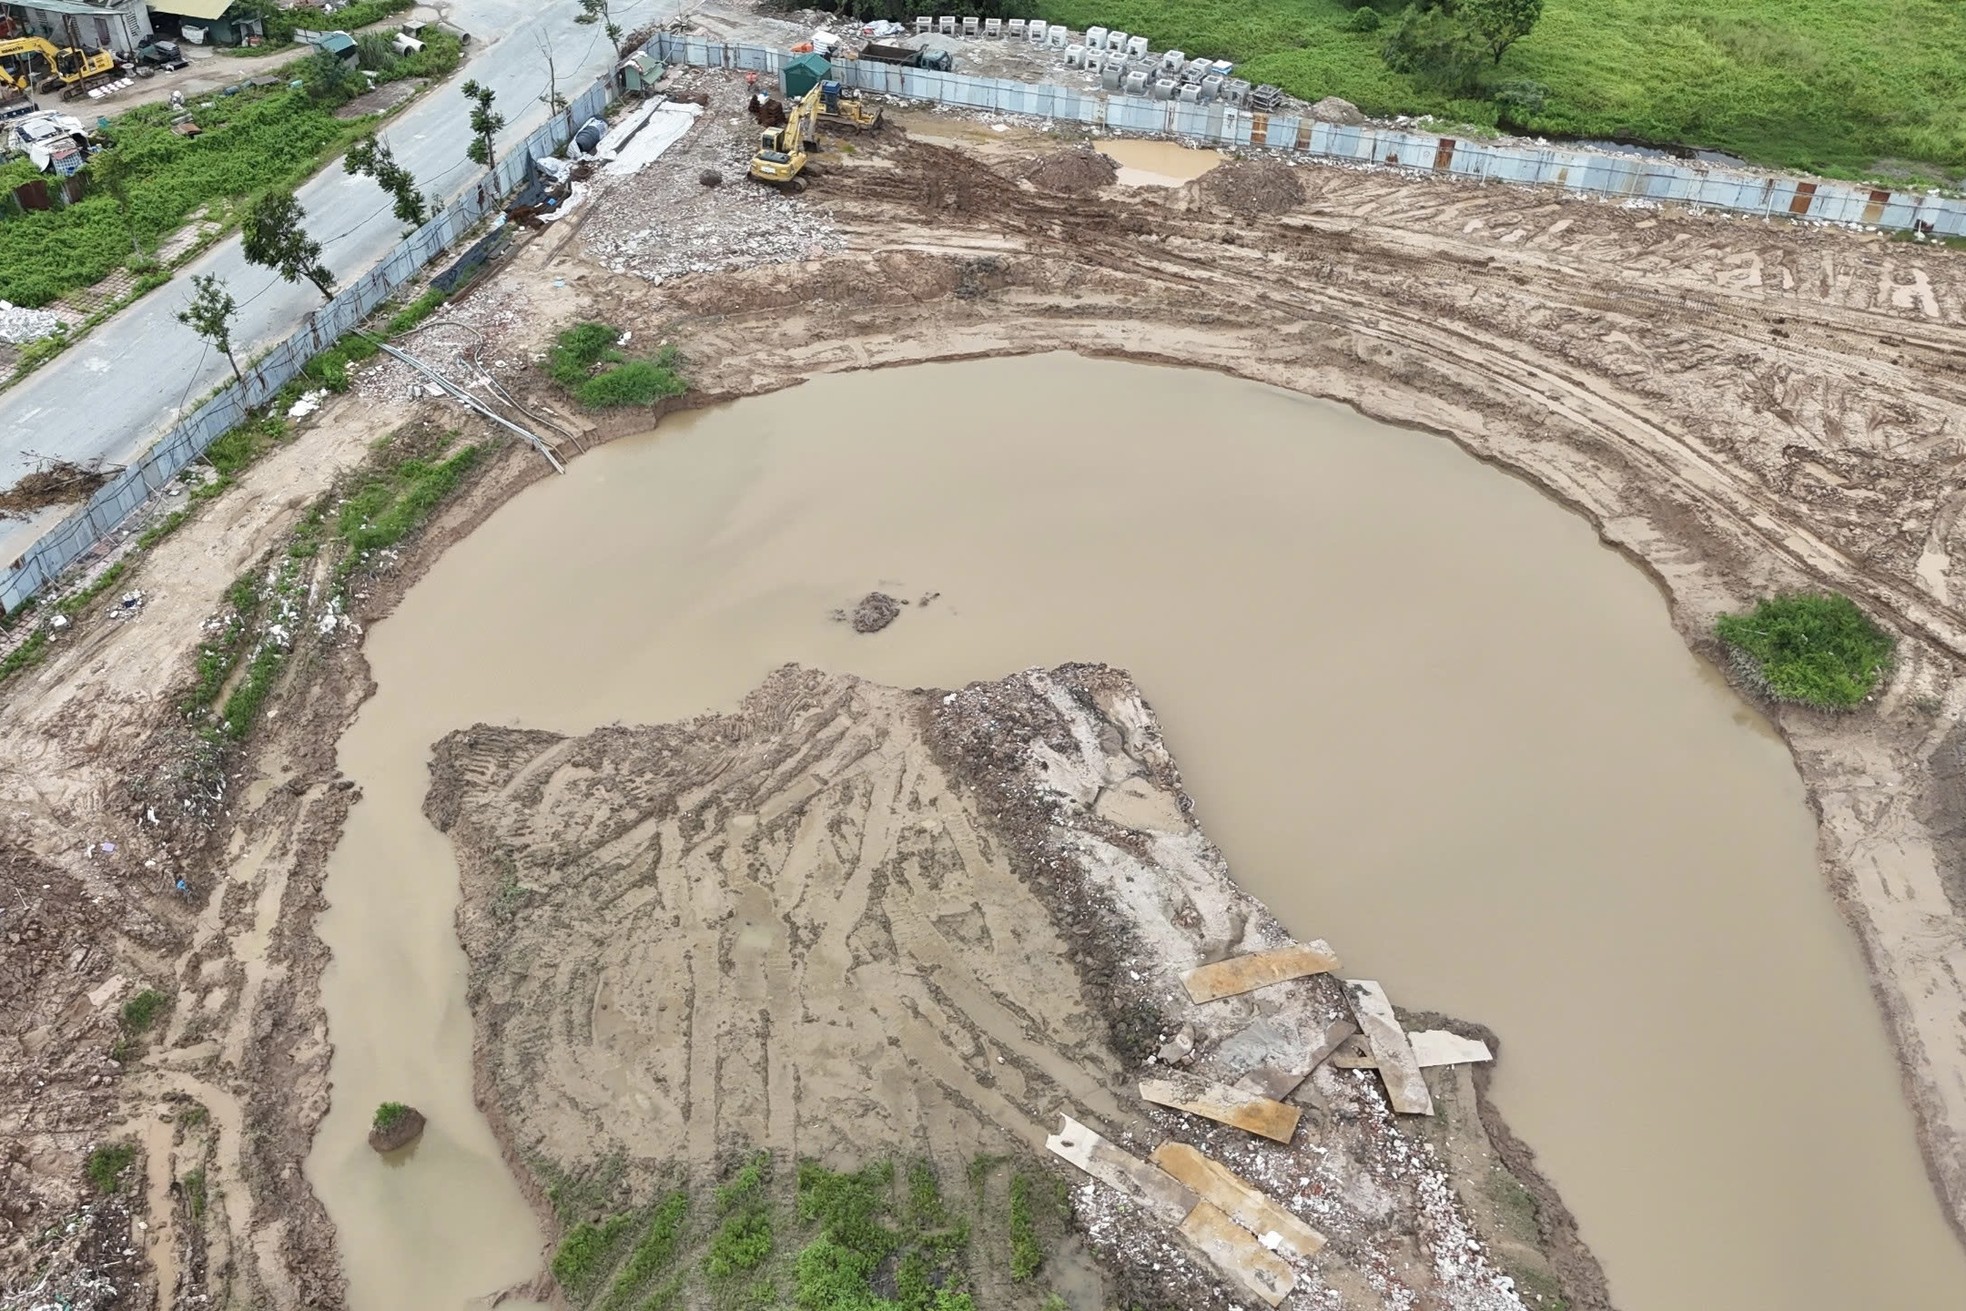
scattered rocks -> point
(1178, 1048)
(401, 1129)
(1072, 172)
(710, 177)
(1254, 186)
(876, 611)
(1333, 110)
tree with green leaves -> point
(210, 314)
(486, 122)
(274, 238)
(1499, 23)
(596, 11)
(1434, 43)
(112, 170)
(371, 157)
(327, 80)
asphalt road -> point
(124, 385)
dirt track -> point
(1741, 406)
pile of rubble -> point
(664, 222)
(19, 325)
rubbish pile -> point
(19, 325)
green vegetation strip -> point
(587, 360)
(1842, 87)
(1814, 650)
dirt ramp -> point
(849, 927)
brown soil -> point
(406, 1130)
(876, 611)
(1072, 172)
(61, 483)
(1253, 186)
(1740, 406)
(934, 954)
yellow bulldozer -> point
(32, 63)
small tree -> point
(553, 100)
(486, 122)
(1435, 43)
(273, 238)
(210, 315)
(329, 81)
(372, 157)
(596, 11)
(1499, 23)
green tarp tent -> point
(806, 72)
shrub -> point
(1364, 20)
(578, 349)
(1812, 649)
(106, 1165)
(1521, 97)
(638, 382)
(389, 1115)
(142, 1010)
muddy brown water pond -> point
(1146, 163)
(1423, 711)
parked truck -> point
(933, 58)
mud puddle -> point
(1425, 715)
(1158, 163)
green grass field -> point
(1848, 88)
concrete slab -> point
(1148, 1186)
(1399, 1069)
(1225, 1105)
(1274, 1227)
(1241, 974)
(1433, 1047)
(1279, 1075)
(1235, 1252)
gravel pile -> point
(1072, 172)
(663, 222)
(1254, 186)
(19, 325)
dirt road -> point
(1741, 406)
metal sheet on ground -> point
(1406, 1087)
(1148, 1185)
(1274, 1227)
(1237, 1254)
(1240, 974)
(1225, 1105)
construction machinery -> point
(781, 156)
(844, 106)
(33, 63)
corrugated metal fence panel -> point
(56, 549)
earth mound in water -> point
(1075, 172)
(854, 941)
(1254, 186)
(876, 611)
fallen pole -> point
(460, 393)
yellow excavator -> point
(843, 105)
(781, 153)
(31, 63)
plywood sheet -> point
(1231, 1106)
(1406, 1087)
(1235, 1252)
(1282, 1070)
(1240, 974)
(1275, 1228)
(1148, 1186)
(1433, 1047)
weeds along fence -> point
(118, 498)
(1577, 170)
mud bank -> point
(853, 924)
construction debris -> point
(1148, 1186)
(1431, 1047)
(1237, 1253)
(1225, 1105)
(1399, 1069)
(1242, 974)
(19, 325)
(1278, 1077)
(1276, 1228)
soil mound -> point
(1333, 110)
(403, 1128)
(59, 484)
(1072, 172)
(876, 611)
(1254, 186)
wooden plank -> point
(1275, 1228)
(1148, 1186)
(1240, 974)
(1235, 1252)
(1225, 1105)
(1406, 1087)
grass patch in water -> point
(1815, 649)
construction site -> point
(1116, 723)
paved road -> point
(122, 386)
